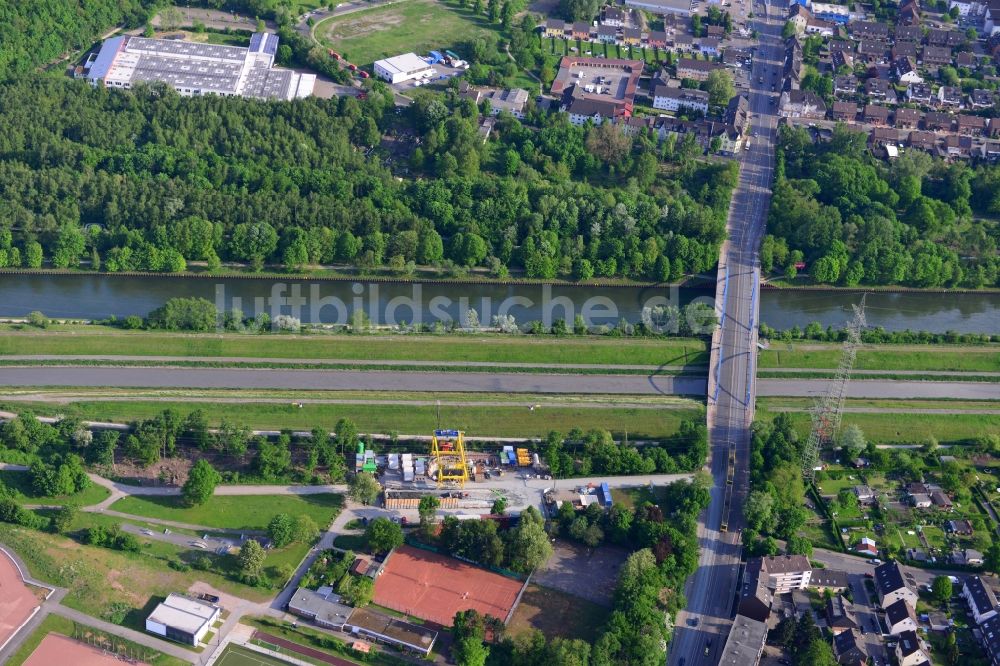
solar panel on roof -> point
(271, 44)
(255, 40)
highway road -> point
(701, 629)
(730, 408)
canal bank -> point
(97, 296)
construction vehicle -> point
(448, 451)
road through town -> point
(701, 629)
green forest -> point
(148, 180)
(919, 221)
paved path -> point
(466, 382)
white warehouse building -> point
(193, 68)
(401, 68)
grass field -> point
(99, 577)
(556, 613)
(491, 348)
(985, 358)
(19, 484)
(913, 428)
(483, 421)
(234, 512)
(416, 25)
(60, 625)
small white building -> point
(401, 68)
(182, 619)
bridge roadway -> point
(701, 629)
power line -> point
(827, 412)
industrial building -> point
(402, 68)
(182, 619)
(193, 68)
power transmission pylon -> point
(827, 412)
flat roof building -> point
(682, 7)
(194, 68)
(401, 68)
(182, 619)
(323, 609)
(745, 642)
(390, 630)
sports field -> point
(416, 25)
(234, 655)
(58, 649)
(434, 587)
(17, 601)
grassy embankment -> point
(237, 512)
(18, 484)
(56, 624)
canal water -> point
(99, 296)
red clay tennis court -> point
(58, 649)
(434, 587)
(17, 601)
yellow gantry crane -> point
(448, 450)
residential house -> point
(683, 43)
(745, 642)
(581, 30)
(864, 494)
(868, 30)
(607, 34)
(974, 126)
(935, 121)
(755, 597)
(935, 56)
(637, 125)
(938, 621)
(511, 100)
(981, 99)
(556, 28)
(631, 36)
(900, 617)
(841, 60)
(874, 50)
(737, 114)
(616, 17)
(801, 104)
(926, 141)
(849, 648)
(918, 93)
(982, 602)
(904, 50)
(891, 586)
(905, 118)
(866, 547)
(911, 650)
(840, 615)
(920, 500)
(874, 115)
(828, 579)
(993, 127)
(909, 33)
(716, 31)
(785, 573)
(968, 556)
(688, 68)
(961, 527)
(736, 57)
(709, 46)
(941, 500)
(950, 96)
(657, 39)
(883, 137)
(948, 38)
(906, 71)
(966, 59)
(881, 89)
(918, 555)
(845, 85)
(990, 639)
(845, 111)
(908, 14)
(964, 6)
(675, 99)
(956, 147)
(799, 17)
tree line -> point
(919, 221)
(147, 180)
